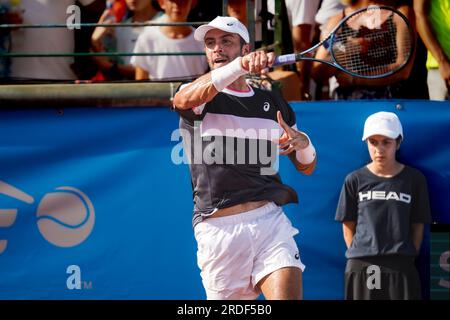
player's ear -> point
(245, 49)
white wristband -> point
(307, 155)
(224, 76)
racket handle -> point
(285, 59)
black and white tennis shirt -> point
(230, 150)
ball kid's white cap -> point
(227, 24)
(383, 123)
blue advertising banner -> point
(92, 205)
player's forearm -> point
(305, 160)
(205, 88)
(196, 93)
(306, 169)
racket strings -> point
(372, 51)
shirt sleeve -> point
(421, 212)
(286, 110)
(142, 45)
(302, 11)
(347, 209)
(290, 117)
(299, 11)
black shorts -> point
(398, 279)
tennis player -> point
(245, 241)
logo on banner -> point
(65, 216)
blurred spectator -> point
(205, 10)
(415, 86)
(121, 39)
(350, 87)
(301, 15)
(239, 10)
(47, 40)
(119, 8)
(433, 24)
(170, 39)
(9, 14)
(328, 9)
(84, 66)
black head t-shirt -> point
(384, 209)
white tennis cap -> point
(227, 24)
(383, 123)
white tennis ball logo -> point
(65, 217)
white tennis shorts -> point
(236, 252)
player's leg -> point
(283, 284)
(225, 259)
(277, 270)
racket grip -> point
(284, 59)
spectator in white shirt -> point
(47, 40)
(169, 39)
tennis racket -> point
(374, 42)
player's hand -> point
(291, 140)
(258, 62)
